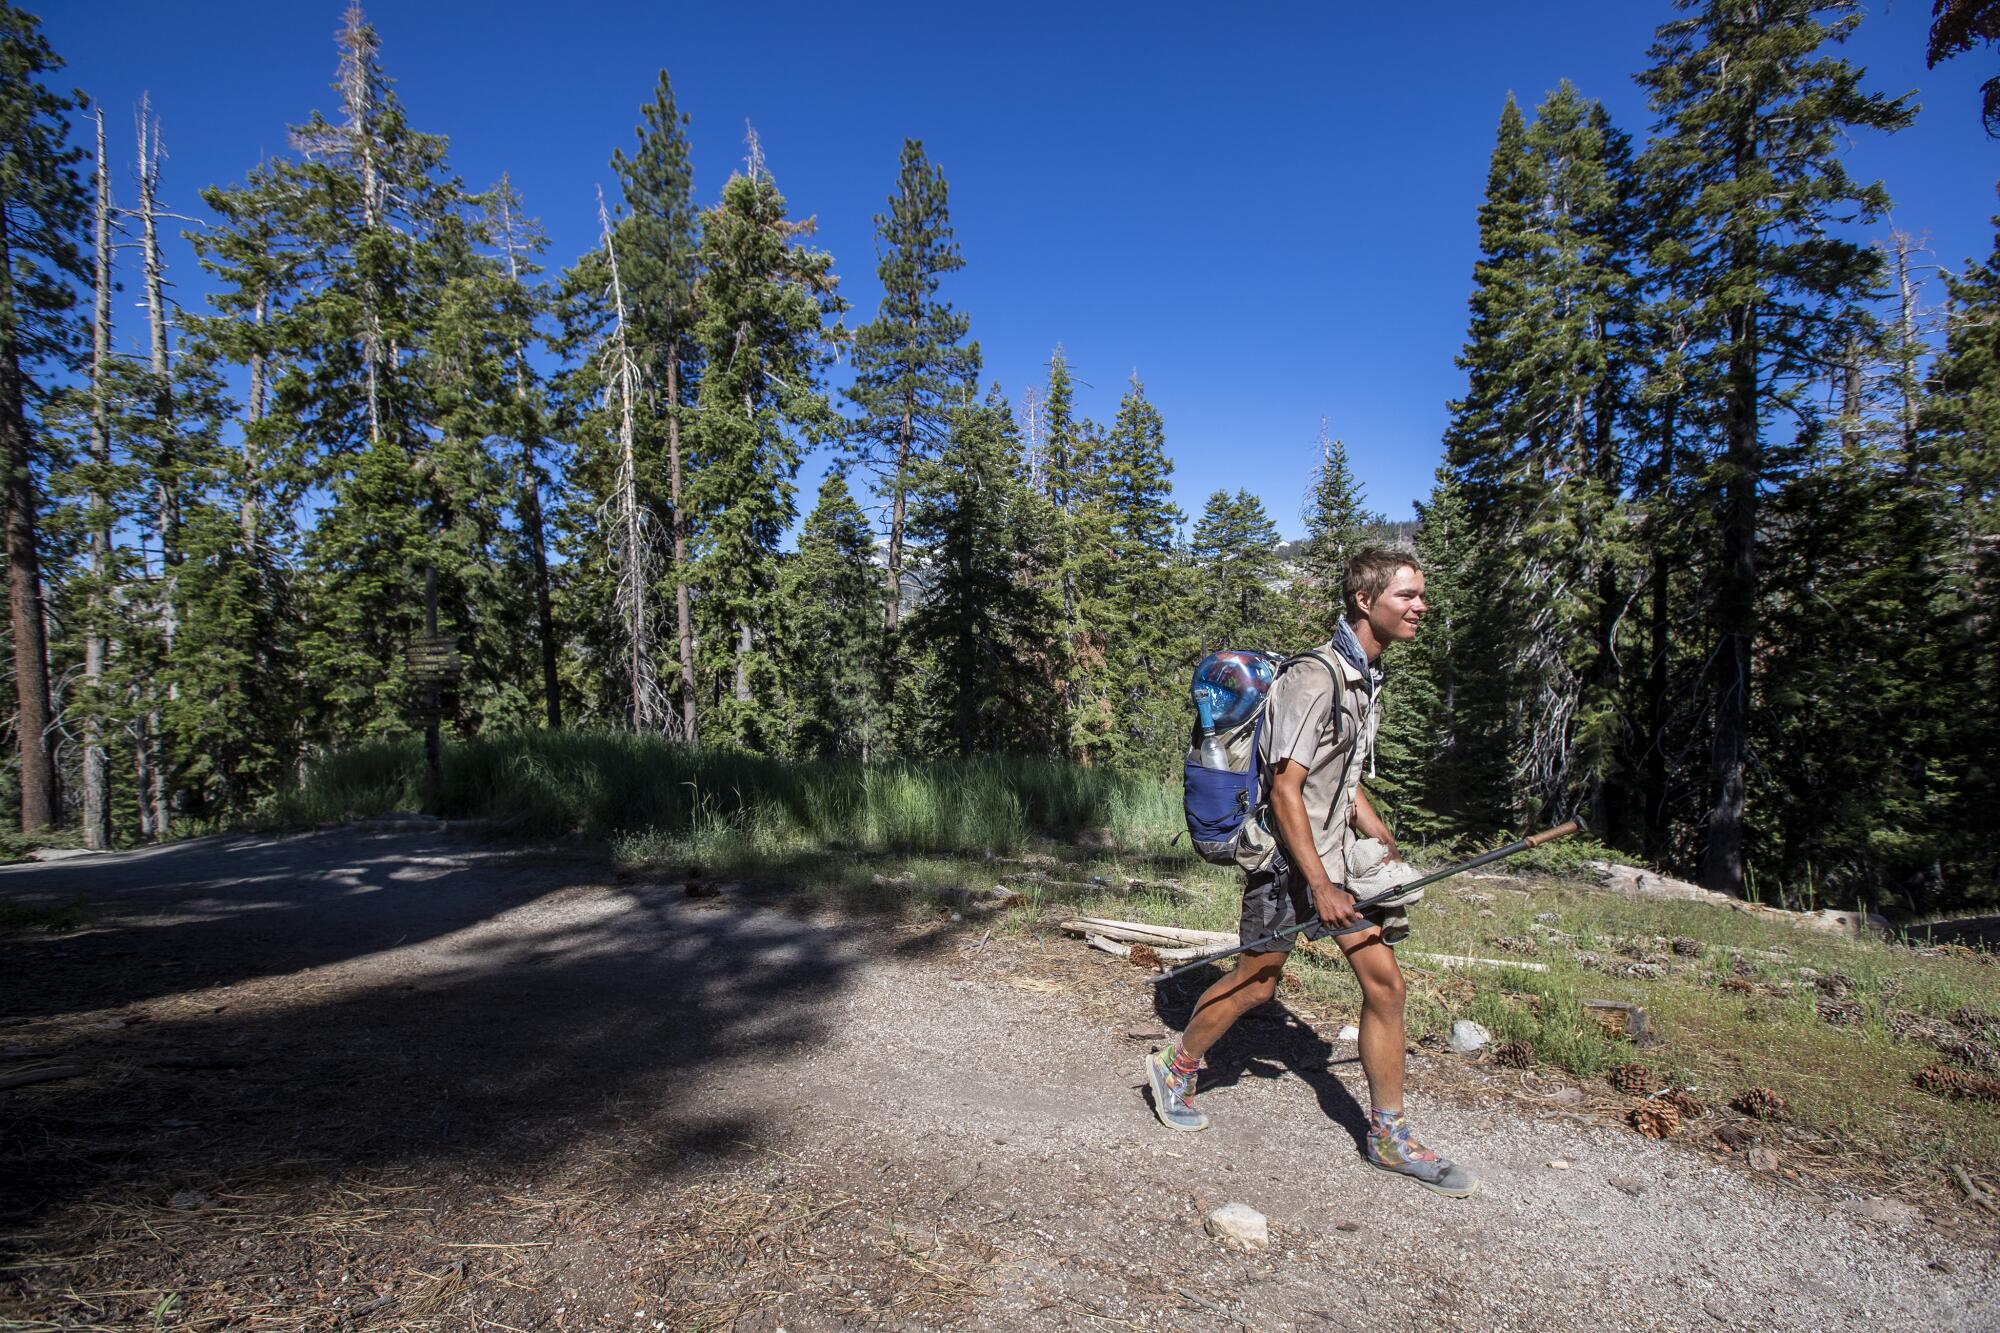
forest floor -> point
(407, 1080)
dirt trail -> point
(408, 1081)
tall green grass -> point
(652, 797)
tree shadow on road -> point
(395, 1004)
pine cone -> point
(1760, 1104)
(1834, 983)
(1515, 1054)
(1840, 1013)
(1972, 1054)
(1944, 1081)
(1144, 955)
(1973, 1018)
(1655, 1118)
(1738, 985)
(1634, 1080)
(1687, 946)
(1689, 1107)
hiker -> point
(1316, 846)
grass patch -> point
(655, 800)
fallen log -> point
(1151, 954)
(46, 1074)
(1452, 960)
(1140, 932)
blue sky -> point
(1267, 210)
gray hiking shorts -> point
(1276, 898)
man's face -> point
(1395, 615)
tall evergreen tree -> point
(911, 363)
(1753, 115)
(829, 630)
(1130, 566)
(1960, 439)
(659, 243)
(1423, 773)
(1236, 571)
(984, 625)
(43, 208)
(764, 299)
(1337, 521)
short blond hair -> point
(1369, 571)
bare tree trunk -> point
(96, 777)
(1661, 646)
(24, 576)
(1909, 351)
(633, 594)
(247, 517)
(898, 505)
(166, 483)
(683, 612)
(1735, 613)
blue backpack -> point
(1231, 692)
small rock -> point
(1763, 1159)
(1350, 1033)
(187, 1201)
(1240, 1227)
(1469, 1038)
(1889, 1212)
(1940, 1266)
(1558, 1165)
(1547, 917)
(1631, 1185)
(1347, 1226)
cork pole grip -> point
(1562, 830)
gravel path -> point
(601, 1104)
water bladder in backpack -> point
(1219, 792)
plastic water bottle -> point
(1211, 751)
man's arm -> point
(1334, 904)
(1372, 825)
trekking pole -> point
(1562, 830)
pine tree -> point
(1960, 439)
(984, 624)
(1337, 521)
(1753, 116)
(1537, 444)
(829, 630)
(522, 416)
(659, 242)
(911, 365)
(1236, 569)
(1422, 775)
(1132, 572)
(43, 207)
(764, 300)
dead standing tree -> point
(155, 794)
(96, 783)
(625, 516)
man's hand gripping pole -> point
(1562, 830)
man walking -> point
(1329, 848)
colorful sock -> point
(1181, 1063)
(1389, 1140)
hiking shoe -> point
(1173, 1096)
(1392, 1149)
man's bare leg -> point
(1391, 1146)
(1234, 994)
(1171, 1073)
(1383, 1036)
